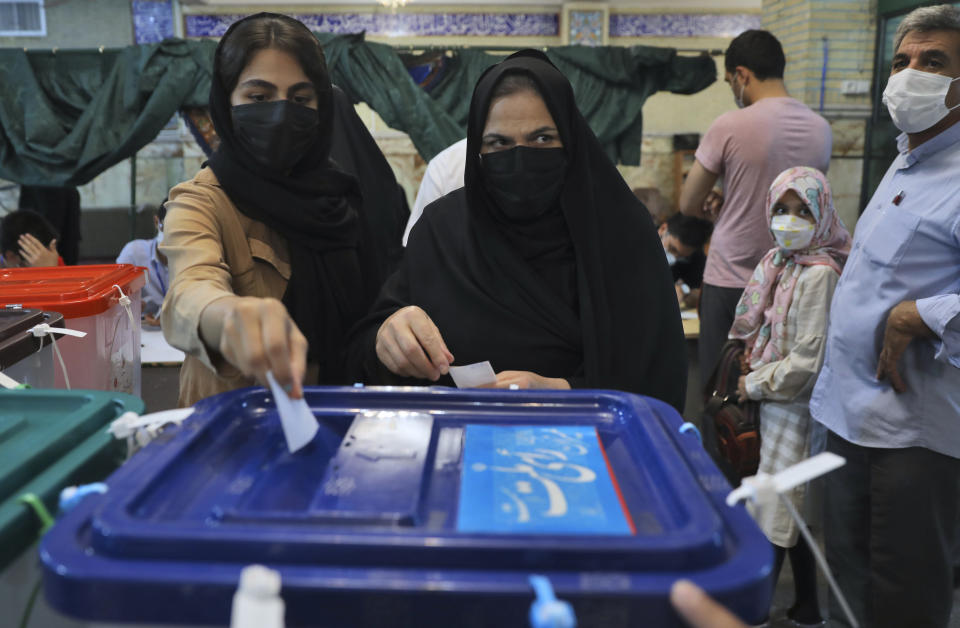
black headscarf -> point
(496, 291)
(314, 207)
(385, 209)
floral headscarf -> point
(762, 311)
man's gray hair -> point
(942, 17)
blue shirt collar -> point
(948, 137)
(153, 250)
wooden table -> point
(694, 402)
(691, 326)
(155, 351)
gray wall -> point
(81, 24)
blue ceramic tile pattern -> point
(586, 28)
(152, 20)
(402, 24)
(681, 24)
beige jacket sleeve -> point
(199, 275)
(795, 374)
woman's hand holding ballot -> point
(410, 345)
(257, 335)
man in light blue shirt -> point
(889, 391)
(145, 253)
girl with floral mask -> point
(270, 262)
(782, 318)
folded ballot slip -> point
(473, 375)
(299, 424)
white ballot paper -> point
(299, 424)
(473, 375)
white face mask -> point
(917, 100)
(792, 233)
(739, 99)
(159, 237)
(671, 258)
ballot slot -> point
(238, 463)
(378, 471)
(372, 476)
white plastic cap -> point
(257, 602)
(259, 581)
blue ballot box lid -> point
(419, 495)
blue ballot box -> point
(413, 507)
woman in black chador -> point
(544, 263)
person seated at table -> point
(544, 263)
(684, 239)
(146, 253)
(27, 239)
(271, 259)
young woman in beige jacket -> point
(270, 262)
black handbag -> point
(736, 421)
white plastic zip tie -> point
(44, 329)
(763, 489)
(63, 365)
(8, 382)
(790, 477)
(139, 430)
(125, 303)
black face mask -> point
(524, 182)
(276, 134)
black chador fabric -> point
(583, 293)
(334, 273)
(385, 209)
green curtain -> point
(610, 85)
(66, 117)
(373, 73)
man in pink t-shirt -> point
(748, 148)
